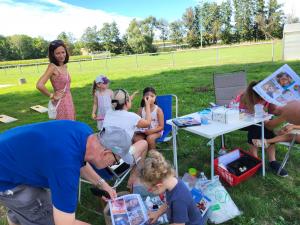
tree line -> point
(206, 24)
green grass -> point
(264, 201)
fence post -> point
(79, 62)
(37, 67)
(272, 50)
(136, 61)
(106, 67)
(173, 61)
(217, 55)
(20, 69)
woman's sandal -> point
(258, 143)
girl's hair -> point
(155, 169)
(54, 45)
(148, 89)
(119, 99)
(94, 88)
(250, 97)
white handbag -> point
(52, 109)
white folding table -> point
(214, 129)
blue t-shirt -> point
(181, 206)
(49, 155)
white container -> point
(258, 111)
(225, 115)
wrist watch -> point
(100, 183)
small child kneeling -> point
(159, 177)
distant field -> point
(264, 201)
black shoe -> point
(275, 167)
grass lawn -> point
(265, 201)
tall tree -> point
(140, 37)
(23, 45)
(191, 24)
(163, 27)
(6, 51)
(40, 47)
(275, 19)
(177, 31)
(225, 18)
(91, 39)
(68, 39)
(109, 35)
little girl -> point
(159, 177)
(102, 99)
(156, 127)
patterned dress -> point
(65, 109)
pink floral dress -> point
(65, 109)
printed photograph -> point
(136, 217)
(132, 204)
(118, 206)
(121, 219)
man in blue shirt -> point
(51, 156)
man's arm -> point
(291, 112)
(62, 218)
(88, 173)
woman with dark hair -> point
(60, 79)
(247, 101)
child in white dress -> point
(102, 99)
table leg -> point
(174, 133)
(212, 151)
(263, 148)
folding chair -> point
(227, 86)
(165, 102)
(290, 145)
(115, 172)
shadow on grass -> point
(269, 200)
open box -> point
(236, 166)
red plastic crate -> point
(232, 179)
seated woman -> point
(246, 101)
(284, 135)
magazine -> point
(280, 87)
(202, 202)
(7, 119)
(186, 122)
(128, 210)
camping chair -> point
(290, 145)
(115, 172)
(227, 86)
(165, 102)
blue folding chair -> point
(165, 102)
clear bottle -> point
(202, 176)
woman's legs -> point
(280, 138)
(139, 152)
(151, 139)
(138, 136)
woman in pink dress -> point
(60, 79)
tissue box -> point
(221, 163)
(225, 115)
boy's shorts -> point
(254, 132)
(28, 205)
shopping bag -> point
(52, 109)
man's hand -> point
(112, 192)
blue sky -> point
(48, 18)
(168, 9)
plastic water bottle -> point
(222, 151)
(202, 176)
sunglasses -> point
(117, 162)
(56, 42)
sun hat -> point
(117, 139)
(102, 79)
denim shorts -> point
(28, 205)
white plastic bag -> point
(222, 207)
(52, 109)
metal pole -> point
(106, 67)
(173, 58)
(136, 62)
(217, 56)
(80, 65)
(272, 50)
